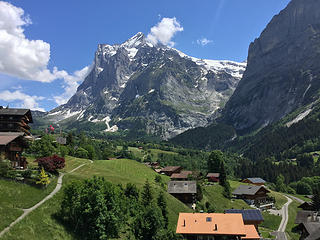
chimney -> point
(216, 227)
(184, 223)
(314, 217)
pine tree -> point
(162, 203)
(316, 199)
(43, 178)
(146, 194)
(223, 175)
(214, 161)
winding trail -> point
(281, 233)
(29, 210)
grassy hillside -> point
(42, 224)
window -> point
(209, 219)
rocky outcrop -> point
(152, 87)
(283, 71)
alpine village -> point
(157, 145)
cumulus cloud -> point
(19, 56)
(28, 59)
(164, 31)
(71, 84)
(26, 100)
(203, 41)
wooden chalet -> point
(154, 165)
(309, 230)
(253, 195)
(306, 206)
(11, 147)
(254, 181)
(213, 177)
(185, 191)
(169, 170)
(182, 176)
(14, 130)
(210, 226)
(15, 120)
(306, 216)
(250, 216)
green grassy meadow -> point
(42, 223)
(293, 209)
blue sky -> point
(68, 33)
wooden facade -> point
(185, 191)
(213, 177)
(15, 120)
(14, 130)
(169, 170)
(255, 181)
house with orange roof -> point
(215, 226)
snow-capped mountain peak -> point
(175, 92)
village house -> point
(15, 120)
(154, 165)
(308, 224)
(250, 216)
(254, 181)
(182, 176)
(214, 226)
(253, 195)
(309, 230)
(11, 148)
(169, 170)
(14, 131)
(306, 206)
(213, 177)
(185, 191)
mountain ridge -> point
(161, 87)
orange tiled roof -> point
(251, 232)
(211, 224)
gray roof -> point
(248, 214)
(170, 168)
(313, 228)
(7, 137)
(247, 190)
(256, 180)
(182, 187)
(303, 216)
(16, 112)
(314, 236)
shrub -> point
(43, 178)
(4, 167)
(51, 164)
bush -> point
(4, 167)
(304, 188)
(51, 164)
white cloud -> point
(19, 56)
(204, 41)
(25, 101)
(28, 59)
(164, 31)
(71, 84)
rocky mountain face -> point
(283, 71)
(137, 85)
